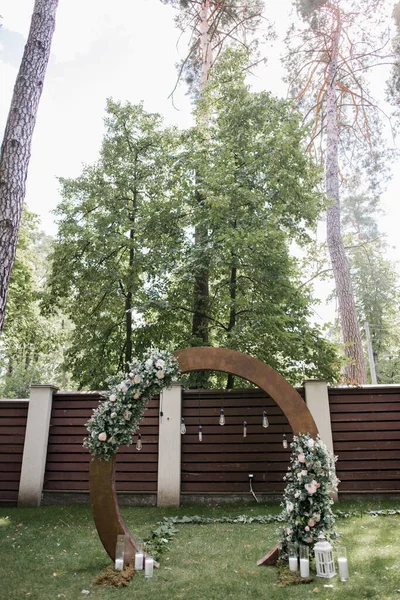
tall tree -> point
(261, 190)
(119, 233)
(326, 63)
(16, 146)
(212, 24)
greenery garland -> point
(160, 537)
(117, 417)
(307, 501)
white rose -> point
(102, 436)
(149, 363)
(137, 379)
(310, 443)
(113, 415)
(160, 364)
(131, 374)
(123, 387)
(160, 374)
(289, 507)
(137, 395)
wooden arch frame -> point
(103, 496)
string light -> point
(244, 429)
(222, 417)
(139, 444)
(284, 441)
(265, 421)
(183, 426)
(200, 433)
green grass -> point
(53, 553)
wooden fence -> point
(365, 426)
(366, 437)
(13, 416)
(222, 462)
(67, 466)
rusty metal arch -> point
(103, 496)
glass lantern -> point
(324, 562)
(120, 552)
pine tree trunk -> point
(201, 291)
(16, 147)
(355, 371)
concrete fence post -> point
(317, 400)
(169, 447)
(35, 446)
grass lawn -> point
(52, 553)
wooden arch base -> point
(103, 496)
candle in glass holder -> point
(148, 567)
(343, 564)
(120, 553)
(119, 564)
(293, 564)
(304, 562)
(139, 561)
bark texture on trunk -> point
(16, 146)
(201, 286)
(355, 371)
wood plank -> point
(131, 467)
(239, 447)
(238, 457)
(137, 486)
(84, 476)
(380, 475)
(364, 408)
(245, 467)
(363, 398)
(383, 455)
(367, 426)
(9, 485)
(74, 448)
(341, 436)
(372, 485)
(231, 477)
(365, 444)
(231, 488)
(357, 418)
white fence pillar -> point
(169, 447)
(317, 400)
(35, 446)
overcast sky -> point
(126, 49)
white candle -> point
(139, 561)
(343, 568)
(119, 564)
(304, 567)
(148, 567)
(293, 563)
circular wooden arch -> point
(103, 496)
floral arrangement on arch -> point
(307, 501)
(117, 418)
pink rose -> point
(112, 398)
(315, 484)
(288, 531)
(311, 489)
(311, 522)
(301, 458)
(102, 437)
(309, 540)
(306, 528)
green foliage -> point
(375, 280)
(31, 347)
(307, 499)
(127, 255)
(118, 416)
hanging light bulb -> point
(244, 428)
(139, 442)
(183, 426)
(200, 433)
(284, 441)
(222, 417)
(265, 420)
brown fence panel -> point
(222, 462)
(366, 438)
(13, 417)
(67, 466)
